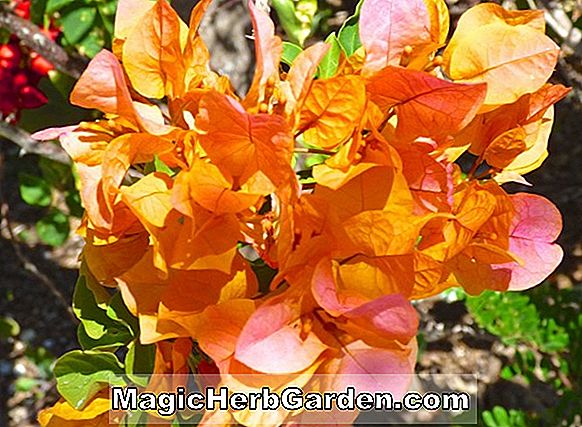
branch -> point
(559, 21)
(263, 5)
(29, 145)
(33, 37)
(302, 150)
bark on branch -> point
(559, 21)
(29, 145)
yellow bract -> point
(507, 50)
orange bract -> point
(345, 188)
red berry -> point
(20, 79)
(33, 77)
(5, 75)
(10, 56)
(7, 105)
(31, 97)
(40, 65)
(22, 9)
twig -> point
(559, 22)
(475, 166)
(570, 75)
(308, 186)
(33, 37)
(28, 265)
(387, 118)
(263, 5)
(302, 150)
(29, 145)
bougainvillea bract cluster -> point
(363, 178)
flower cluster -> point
(346, 180)
(21, 70)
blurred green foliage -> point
(53, 190)
(86, 25)
(519, 321)
(305, 19)
(297, 18)
(345, 42)
(501, 417)
(8, 327)
(544, 326)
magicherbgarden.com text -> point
(290, 398)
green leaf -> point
(34, 190)
(87, 309)
(54, 228)
(139, 362)
(101, 294)
(107, 14)
(82, 374)
(329, 63)
(315, 159)
(507, 373)
(290, 52)
(514, 318)
(42, 359)
(53, 6)
(77, 23)
(264, 273)
(296, 18)
(135, 419)
(118, 312)
(358, 8)
(73, 201)
(25, 384)
(37, 11)
(108, 8)
(8, 327)
(501, 415)
(306, 12)
(158, 165)
(92, 43)
(488, 419)
(553, 337)
(110, 341)
(101, 327)
(54, 173)
(162, 167)
(62, 82)
(4, 36)
(349, 37)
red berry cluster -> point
(21, 70)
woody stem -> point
(303, 150)
(475, 166)
(386, 120)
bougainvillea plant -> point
(364, 176)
